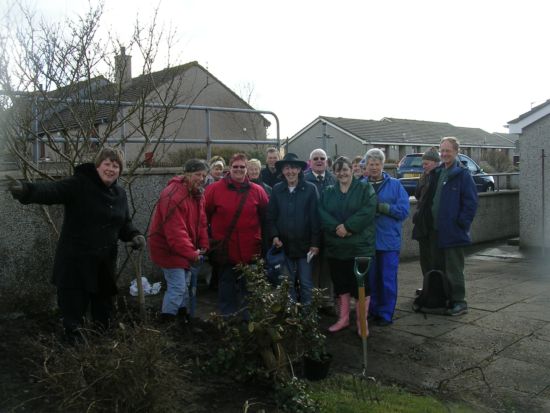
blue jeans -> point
(177, 293)
(232, 292)
(301, 269)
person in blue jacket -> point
(392, 209)
(449, 209)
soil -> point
(20, 363)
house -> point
(98, 109)
(396, 137)
(533, 129)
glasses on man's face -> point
(319, 158)
(238, 166)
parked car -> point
(410, 169)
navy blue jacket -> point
(293, 218)
(457, 206)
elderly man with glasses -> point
(321, 177)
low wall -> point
(497, 218)
(27, 242)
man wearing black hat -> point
(293, 223)
(430, 160)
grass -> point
(348, 394)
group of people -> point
(320, 220)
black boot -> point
(167, 318)
(183, 317)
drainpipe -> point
(543, 207)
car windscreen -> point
(412, 162)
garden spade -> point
(361, 268)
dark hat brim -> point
(279, 164)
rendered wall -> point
(27, 243)
(533, 139)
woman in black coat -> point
(96, 217)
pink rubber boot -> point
(343, 320)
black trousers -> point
(343, 277)
(74, 303)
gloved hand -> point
(16, 187)
(138, 242)
(383, 208)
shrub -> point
(278, 333)
(127, 370)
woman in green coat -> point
(347, 212)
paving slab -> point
(527, 377)
(543, 333)
(535, 311)
(499, 298)
(480, 338)
(529, 349)
(450, 358)
(493, 282)
(426, 325)
(510, 322)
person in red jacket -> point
(244, 243)
(178, 235)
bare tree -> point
(66, 94)
(66, 91)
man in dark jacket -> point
(293, 222)
(430, 160)
(270, 175)
(450, 207)
(321, 177)
(96, 217)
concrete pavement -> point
(496, 358)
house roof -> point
(412, 132)
(516, 125)
(63, 115)
(529, 113)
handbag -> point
(275, 260)
(218, 251)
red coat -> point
(222, 200)
(178, 228)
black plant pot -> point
(315, 369)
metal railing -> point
(503, 181)
(208, 141)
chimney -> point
(123, 67)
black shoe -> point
(380, 322)
(166, 318)
(183, 316)
(418, 291)
(457, 309)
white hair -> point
(375, 154)
(318, 150)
